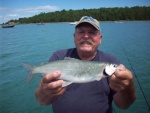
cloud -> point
(38, 9)
(31, 9)
(3, 9)
(15, 13)
(9, 17)
(14, 16)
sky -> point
(15, 9)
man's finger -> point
(52, 76)
(121, 67)
(123, 75)
(55, 84)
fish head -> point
(110, 69)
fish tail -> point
(30, 69)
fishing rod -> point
(136, 77)
(114, 110)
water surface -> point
(34, 44)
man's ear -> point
(100, 37)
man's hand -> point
(50, 88)
(122, 82)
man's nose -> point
(86, 35)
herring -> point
(74, 70)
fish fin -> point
(69, 58)
(99, 77)
(66, 83)
(43, 75)
(44, 63)
(30, 69)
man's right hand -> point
(50, 88)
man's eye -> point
(81, 32)
(91, 32)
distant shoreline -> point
(99, 21)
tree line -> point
(101, 14)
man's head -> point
(87, 35)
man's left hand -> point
(121, 80)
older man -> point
(93, 97)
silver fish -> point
(74, 70)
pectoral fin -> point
(66, 83)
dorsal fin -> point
(69, 58)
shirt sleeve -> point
(58, 55)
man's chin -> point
(86, 49)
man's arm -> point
(122, 82)
(49, 89)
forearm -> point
(125, 98)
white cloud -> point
(8, 17)
(38, 9)
(3, 9)
(7, 14)
(31, 9)
(12, 15)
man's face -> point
(87, 38)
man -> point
(93, 97)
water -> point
(34, 44)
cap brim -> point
(89, 22)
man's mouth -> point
(86, 42)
